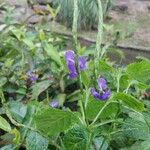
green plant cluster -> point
(80, 121)
(88, 12)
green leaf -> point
(124, 81)
(137, 126)
(52, 53)
(4, 125)
(51, 11)
(94, 106)
(16, 140)
(21, 90)
(61, 99)
(18, 110)
(18, 33)
(135, 129)
(84, 78)
(38, 88)
(8, 147)
(29, 43)
(129, 101)
(9, 62)
(105, 69)
(3, 80)
(41, 35)
(139, 71)
(99, 145)
(76, 138)
(35, 141)
(52, 121)
(145, 145)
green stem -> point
(82, 111)
(74, 32)
(75, 23)
(99, 37)
(87, 97)
(102, 143)
(100, 29)
(106, 122)
(100, 112)
(122, 130)
(119, 74)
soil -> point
(134, 19)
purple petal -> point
(54, 104)
(69, 55)
(102, 83)
(95, 94)
(72, 75)
(71, 66)
(32, 77)
(82, 63)
(70, 61)
(105, 95)
(29, 73)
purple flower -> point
(32, 77)
(82, 63)
(54, 104)
(102, 83)
(70, 61)
(95, 94)
(104, 93)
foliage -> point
(35, 74)
(88, 16)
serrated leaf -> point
(129, 101)
(145, 145)
(35, 141)
(8, 147)
(94, 106)
(52, 121)
(124, 81)
(3, 80)
(76, 138)
(106, 70)
(139, 71)
(18, 110)
(38, 88)
(4, 125)
(136, 129)
(52, 53)
(99, 145)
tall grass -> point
(88, 12)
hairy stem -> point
(99, 37)
(75, 23)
